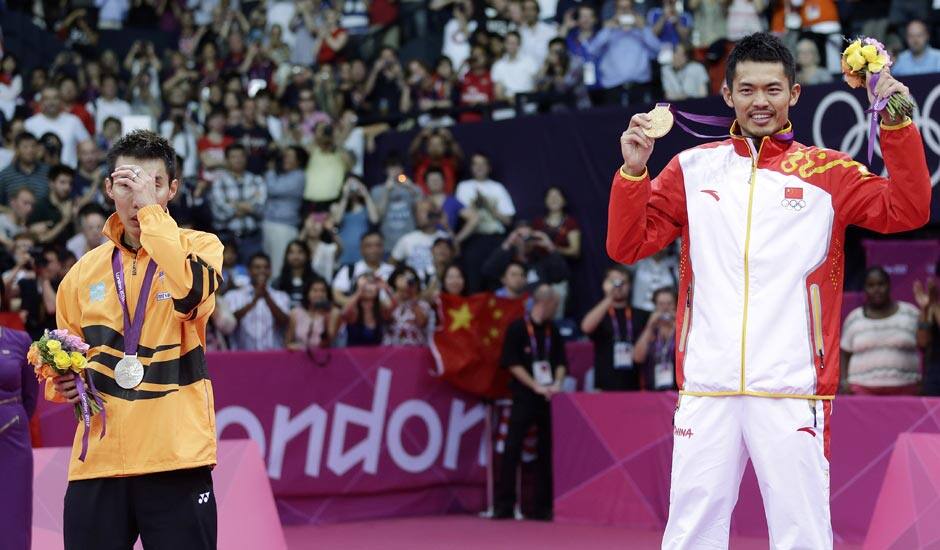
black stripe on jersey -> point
(101, 335)
(215, 279)
(189, 302)
(186, 370)
(108, 386)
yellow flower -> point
(53, 345)
(853, 48)
(78, 361)
(856, 61)
(875, 67)
(870, 53)
(62, 360)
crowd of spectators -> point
(273, 105)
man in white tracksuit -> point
(762, 220)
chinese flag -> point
(469, 341)
(793, 193)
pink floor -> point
(471, 533)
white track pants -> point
(788, 442)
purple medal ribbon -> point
(86, 415)
(710, 120)
(132, 330)
(877, 106)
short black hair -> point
(665, 290)
(393, 159)
(513, 263)
(144, 145)
(878, 270)
(235, 147)
(512, 33)
(401, 271)
(23, 136)
(60, 170)
(617, 268)
(371, 233)
(761, 47)
(433, 170)
(91, 208)
(261, 255)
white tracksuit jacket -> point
(762, 252)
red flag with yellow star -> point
(469, 340)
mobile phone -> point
(626, 19)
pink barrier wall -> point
(369, 434)
(909, 503)
(247, 517)
(613, 454)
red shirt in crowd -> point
(82, 113)
(558, 235)
(475, 88)
(447, 165)
(327, 54)
(383, 12)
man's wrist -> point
(629, 174)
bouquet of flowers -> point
(862, 63)
(58, 353)
(865, 58)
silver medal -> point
(129, 372)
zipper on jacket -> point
(816, 311)
(747, 243)
(684, 331)
(134, 265)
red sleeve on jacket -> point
(900, 202)
(645, 216)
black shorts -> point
(168, 510)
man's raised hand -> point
(635, 146)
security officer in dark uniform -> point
(534, 353)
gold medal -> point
(129, 372)
(662, 121)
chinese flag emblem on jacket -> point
(468, 341)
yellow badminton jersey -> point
(168, 421)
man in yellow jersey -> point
(141, 301)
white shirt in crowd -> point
(112, 13)
(9, 93)
(323, 261)
(493, 191)
(344, 280)
(78, 245)
(516, 76)
(457, 43)
(535, 40)
(257, 329)
(107, 108)
(67, 126)
(414, 249)
(649, 275)
(689, 81)
(884, 351)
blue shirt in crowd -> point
(907, 64)
(624, 55)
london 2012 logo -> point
(853, 141)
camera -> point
(626, 19)
(617, 283)
(328, 130)
(322, 305)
